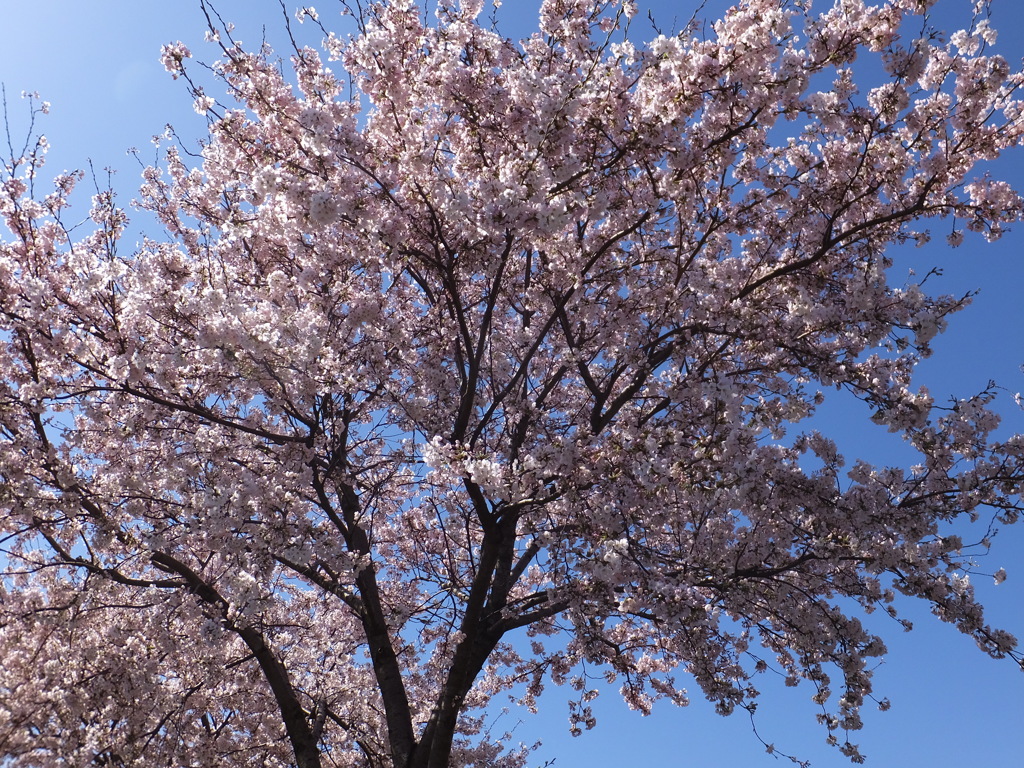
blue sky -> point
(97, 62)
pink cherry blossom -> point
(469, 362)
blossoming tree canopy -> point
(463, 362)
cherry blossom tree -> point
(463, 365)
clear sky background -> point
(97, 62)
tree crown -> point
(482, 364)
